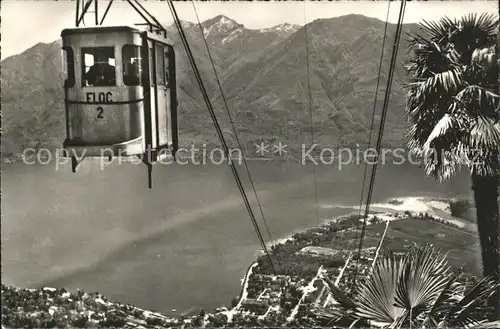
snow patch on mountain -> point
(284, 28)
(233, 35)
(219, 25)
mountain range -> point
(265, 76)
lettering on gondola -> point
(99, 112)
(102, 97)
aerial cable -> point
(373, 113)
(218, 129)
(372, 126)
(310, 111)
(381, 128)
(232, 123)
(311, 117)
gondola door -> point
(162, 96)
(149, 94)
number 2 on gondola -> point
(99, 112)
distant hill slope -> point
(264, 77)
(32, 98)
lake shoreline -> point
(389, 208)
(413, 204)
(394, 209)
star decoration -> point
(262, 148)
(280, 148)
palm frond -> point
(439, 84)
(429, 57)
(426, 115)
(465, 34)
(425, 274)
(465, 311)
(485, 133)
(439, 305)
(343, 312)
(442, 127)
(445, 159)
(478, 28)
(479, 99)
(439, 30)
(337, 294)
(487, 165)
(375, 300)
(417, 290)
(487, 325)
(332, 314)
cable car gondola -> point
(120, 93)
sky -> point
(26, 22)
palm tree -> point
(497, 49)
(418, 290)
(453, 106)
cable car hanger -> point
(150, 20)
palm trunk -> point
(496, 313)
(486, 199)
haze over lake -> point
(185, 243)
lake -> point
(184, 244)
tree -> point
(418, 290)
(112, 320)
(374, 220)
(154, 321)
(459, 207)
(80, 321)
(454, 110)
(234, 302)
